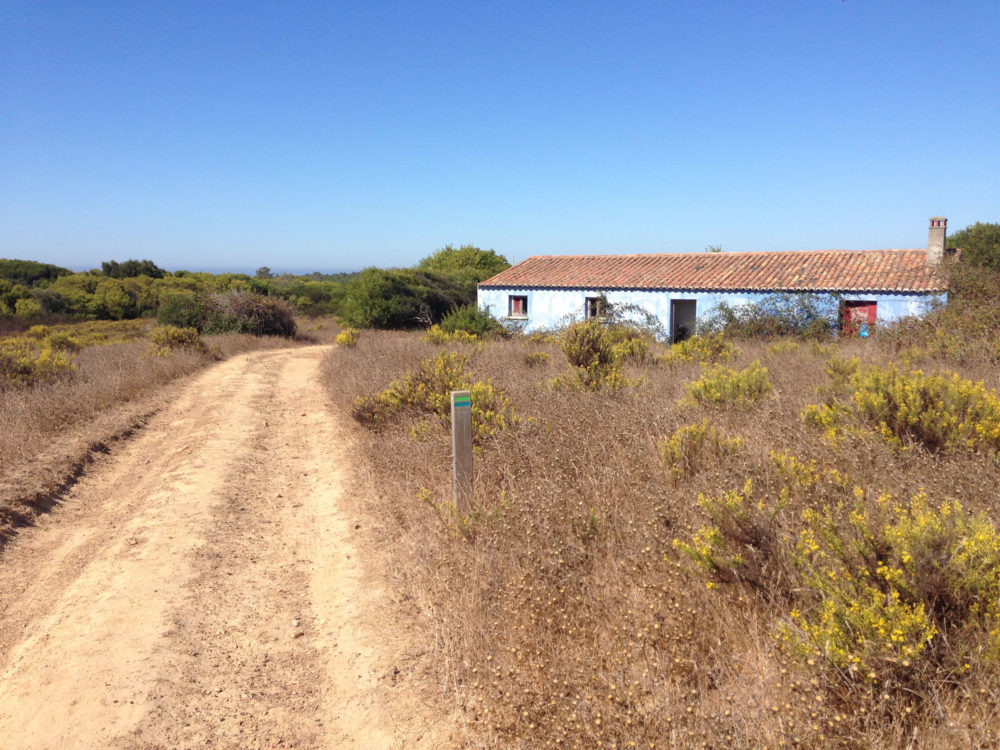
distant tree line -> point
(131, 268)
(374, 298)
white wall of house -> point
(551, 308)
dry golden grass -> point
(559, 614)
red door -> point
(858, 318)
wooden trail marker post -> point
(461, 448)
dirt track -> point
(200, 587)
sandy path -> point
(200, 587)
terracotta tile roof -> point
(811, 270)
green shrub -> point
(693, 446)
(722, 385)
(248, 312)
(27, 307)
(29, 272)
(403, 298)
(348, 338)
(63, 342)
(470, 319)
(182, 309)
(966, 329)
(112, 300)
(708, 348)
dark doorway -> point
(683, 313)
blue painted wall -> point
(552, 308)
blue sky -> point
(332, 136)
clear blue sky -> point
(330, 136)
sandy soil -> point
(202, 587)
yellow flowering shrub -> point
(348, 338)
(883, 580)
(876, 589)
(806, 479)
(437, 335)
(840, 371)
(827, 417)
(593, 378)
(165, 340)
(705, 349)
(63, 342)
(43, 353)
(533, 359)
(937, 411)
(631, 349)
(742, 544)
(92, 332)
(709, 551)
(428, 390)
(721, 385)
(24, 361)
(692, 446)
(785, 346)
(596, 354)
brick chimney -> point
(937, 240)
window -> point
(595, 307)
(517, 307)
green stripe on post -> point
(459, 400)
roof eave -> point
(731, 290)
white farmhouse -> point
(873, 286)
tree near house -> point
(980, 244)
(466, 265)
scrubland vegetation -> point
(738, 541)
(440, 284)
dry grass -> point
(559, 614)
(49, 431)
